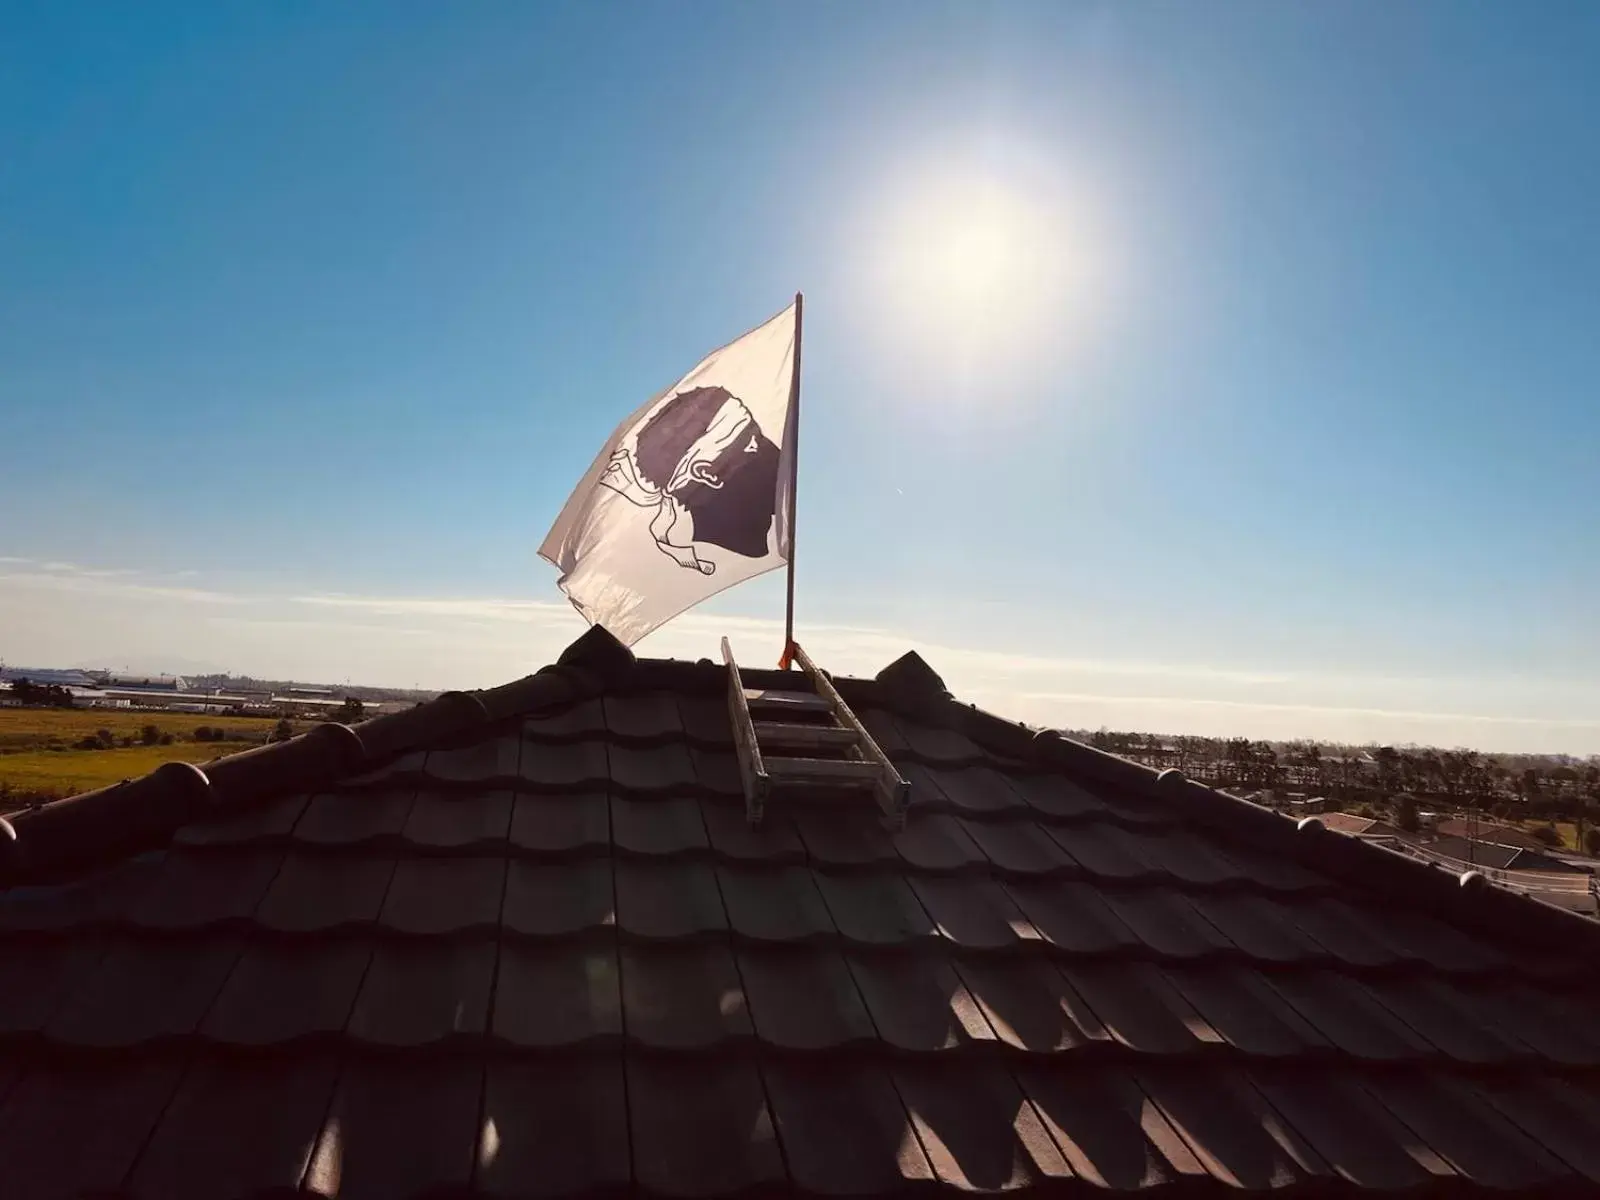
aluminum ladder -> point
(808, 743)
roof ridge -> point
(68, 836)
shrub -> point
(150, 735)
(106, 738)
(205, 733)
(1546, 834)
(88, 743)
(1591, 841)
(281, 732)
(166, 739)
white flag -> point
(690, 495)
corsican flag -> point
(692, 493)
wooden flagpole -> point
(794, 479)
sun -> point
(975, 269)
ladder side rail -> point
(893, 792)
(752, 770)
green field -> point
(39, 759)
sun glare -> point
(978, 270)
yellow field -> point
(30, 728)
(53, 773)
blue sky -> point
(1223, 368)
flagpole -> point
(794, 477)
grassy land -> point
(42, 773)
(39, 759)
(37, 728)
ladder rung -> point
(772, 698)
(778, 733)
(832, 770)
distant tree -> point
(282, 731)
(1546, 834)
(1591, 842)
(1405, 812)
(48, 695)
(150, 735)
(350, 711)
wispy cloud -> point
(71, 612)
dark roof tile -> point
(562, 823)
(934, 841)
(1071, 916)
(549, 899)
(201, 1148)
(658, 826)
(776, 840)
(417, 992)
(643, 716)
(39, 976)
(1057, 797)
(668, 899)
(399, 1128)
(1107, 1129)
(561, 766)
(272, 821)
(1167, 923)
(404, 769)
(280, 991)
(875, 908)
(1275, 872)
(844, 837)
(72, 1130)
(1019, 847)
(705, 720)
(1140, 1008)
(935, 745)
(700, 1127)
(584, 719)
(485, 760)
(653, 769)
(1233, 1131)
(1260, 927)
(1531, 1019)
(1467, 1131)
(972, 912)
(1107, 850)
(775, 905)
(342, 818)
(802, 998)
(145, 990)
(207, 887)
(1561, 1115)
(1349, 1016)
(918, 1002)
(1190, 858)
(885, 731)
(1030, 1005)
(1244, 1009)
(557, 993)
(452, 821)
(1432, 1010)
(554, 1128)
(1420, 936)
(444, 895)
(324, 891)
(1356, 1135)
(682, 996)
(977, 790)
(978, 1129)
(1349, 933)
(718, 772)
(844, 1129)
(101, 898)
